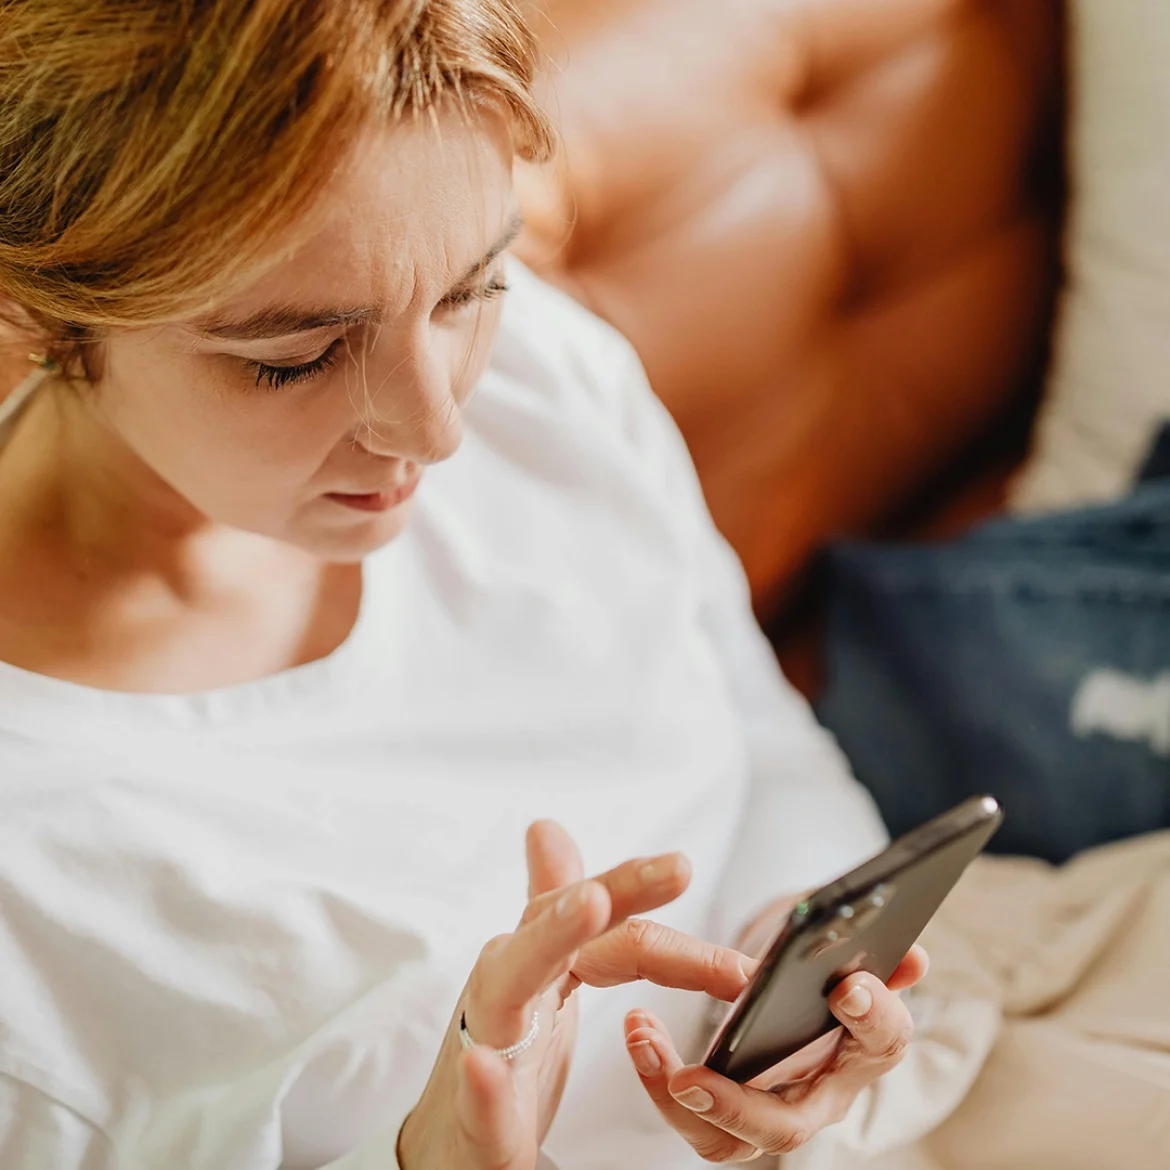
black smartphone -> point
(865, 921)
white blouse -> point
(233, 925)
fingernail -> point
(696, 1100)
(646, 1059)
(659, 870)
(570, 902)
(857, 1001)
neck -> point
(109, 578)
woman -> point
(267, 752)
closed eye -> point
(278, 377)
(460, 298)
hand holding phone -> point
(864, 921)
(839, 960)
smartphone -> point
(865, 921)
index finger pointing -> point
(639, 949)
(515, 969)
(634, 887)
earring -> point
(44, 361)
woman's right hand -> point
(480, 1112)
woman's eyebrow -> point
(507, 238)
(289, 320)
(283, 321)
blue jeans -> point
(1030, 660)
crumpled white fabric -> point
(1043, 1035)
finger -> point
(911, 970)
(874, 1042)
(640, 949)
(802, 1073)
(553, 858)
(515, 969)
(802, 1067)
(635, 887)
(485, 1108)
(758, 1119)
(656, 1062)
(877, 1021)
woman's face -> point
(307, 407)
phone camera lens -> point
(869, 908)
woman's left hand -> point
(778, 1112)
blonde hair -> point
(151, 150)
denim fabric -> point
(1030, 660)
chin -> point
(351, 542)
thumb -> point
(487, 1117)
(553, 859)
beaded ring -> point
(513, 1050)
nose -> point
(412, 412)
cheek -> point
(208, 434)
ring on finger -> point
(513, 1050)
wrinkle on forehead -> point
(412, 209)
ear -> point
(23, 335)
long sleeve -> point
(807, 819)
(38, 1132)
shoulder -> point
(556, 349)
(556, 359)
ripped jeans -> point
(1030, 660)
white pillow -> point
(1109, 389)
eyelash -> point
(278, 377)
(460, 299)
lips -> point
(379, 501)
